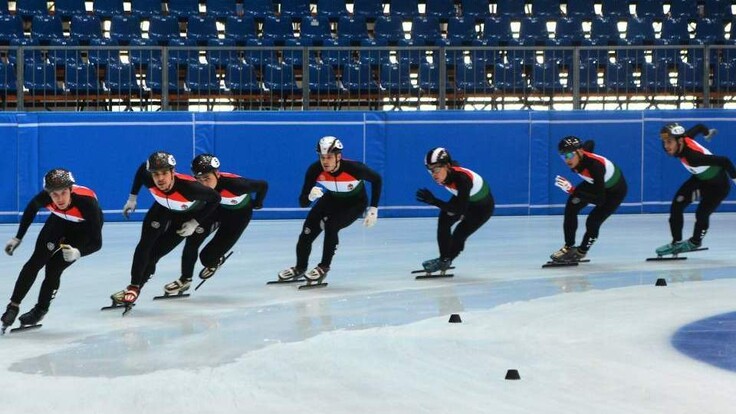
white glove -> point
(371, 217)
(564, 184)
(70, 253)
(187, 228)
(11, 245)
(316, 193)
(129, 206)
(711, 133)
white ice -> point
(592, 339)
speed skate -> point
(424, 274)
(674, 256)
(564, 263)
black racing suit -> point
(343, 202)
(229, 220)
(79, 226)
(186, 200)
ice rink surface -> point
(598, 338)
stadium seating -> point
(332, 9)
(426, 30)
(322, 79)
(201, 29)
(68, 8)
(183, 9)
(143, 52)
(478, 10)
(125, 28)
(258, 8)
(389, 28)
(120, 79)
(40, 78)
(395, 78)
(369, 9)
(146, 8)
(240, 29)
(105, 9)
(241, 78)
(277, 29)
(441, 9)
(8, 79)
(81, 79)
(29, 8)
(296, 9)
(461, 31)
(315, 28)
(352, 28)
(221, 8)
(279, 79)
(45, 28)
(618, 9)
(155, 82)
(61, 52)
(106, 52)
(472, 79)
(85, 28)
(357, 78)
(201, 79)
(11, 27)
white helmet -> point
(329, 144)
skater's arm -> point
(241, 185)
(458, 204)
(698, 159)
(139, 179)
(698, 129)
(41, 199)
(596, 192)
(363, 172)
(199, 192)
(92, 214)
(310, 178)
(589, 145)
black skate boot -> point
(33, 316)
(8, 318)
(208, 272)
(315, 277)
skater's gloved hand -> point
(129, 206)
(316, 193)
(11, 245)
(711, 133)
(187, 228)
(257, 204)
(371, 217)
(734, 180)
(564, 185)
(425, 196)
(70, 253)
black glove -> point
(426, 196)
(257, 204)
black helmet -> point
(57, 179)
(674, 130)
(204, 163)
(437, 155)
(569, 144)
(160, 160)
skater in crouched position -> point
(603, 185)
(228, 221)
(710, 181)
(338, 186)
(73, 230)
(470, 206)
(181, 204)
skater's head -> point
(58, 183)
(672, 138)
(571, 150)
(438, 163)
(206, 169)
(161, 166)
(329, 150)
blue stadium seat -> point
(183, 52)
(201, 78)
(108, 8)
(221, 8)
(409, 54)
(428, 79)
(427, 30)
(655, 78)
(30, 8)
(369, 9)
(724, 78)
(546, 78)
(616, 8)
(155, 82)
(68, 8)
(11, 27)
(240, 78)
(389, 28)
(263, 52)
(461, 30)
(404, 8)
(472, 79)
(674, 32)
(296, 9)
(497, 32)
(604, 31)
(81, 78)
(322, 79)
(709, 32)
(352, 28)
(639, 31)
(514, 9)
(258, 8)
(635, 57)
(546, 8)
(533, 32)
(85, 28)
(240, 29)
(125, 28)
(718, 9)
(201, 28)
(580, 9)
(569, 32)
(40, 78)
(683, 9)
(620, 79)
(395, 78)
(103, 57)
(650, 9)
(4, 7)
(222, 58)
(279, 79)
(8, 78)
(183, 9)
(29, 56)
(478, 10)
(590, 75)
(357, 78)
(120, 79)
(332, 9)
(61, 53)
(295, 57)
(277, 29)
(45, 28)
(369, 54)
(315, 28)
(141, 58)
(690, 77)
(334, 52)
(163, 28)
(508, 78)
(441, 9)
(146, 8)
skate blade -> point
(433, 276)
(285, 282)
(113, 306)
(200, 283)
(224, 259)
(559, 264)
(424, 271)
(26, 328)
(313, 286)
(177, 296)
(670, 257)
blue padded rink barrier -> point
(597, 338)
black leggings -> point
(712, 193)
(331, 215)
(450, 242)
(229, 225)
(577, 201)
(46, 253)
